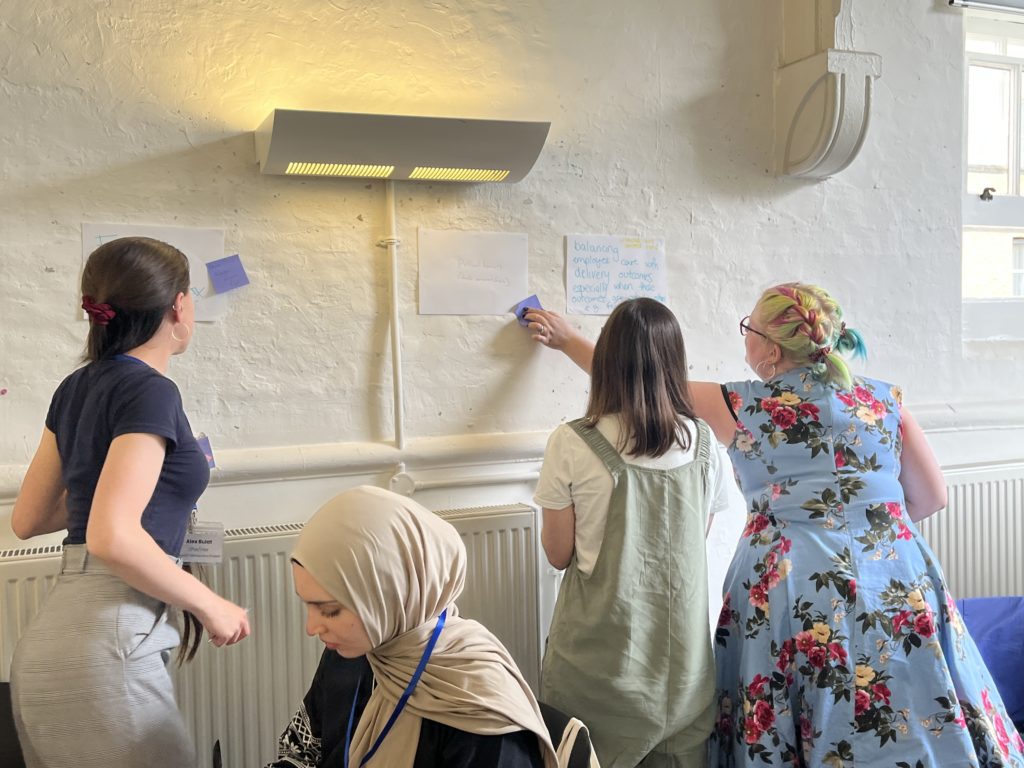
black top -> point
(115, 397)
(316, 735)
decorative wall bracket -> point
(823, 98)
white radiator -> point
(26, 575)
(979, 537)
(245, 694)
(242, 694)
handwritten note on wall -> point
(603, 270)
(471, 273)
(199, 244)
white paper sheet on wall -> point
(471, 273)
(603, 270)
(200, 244)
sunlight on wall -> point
(231, 63)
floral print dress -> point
(838, 643)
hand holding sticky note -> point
(227, 273)
(523, 306)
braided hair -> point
(807, 324)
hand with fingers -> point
(548, 327)
(225, 622)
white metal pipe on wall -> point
(391, 242)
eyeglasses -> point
(745, 327)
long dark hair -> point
(139, 277)
(639, 373)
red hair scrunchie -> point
(101, 314)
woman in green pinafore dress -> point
(628, 493)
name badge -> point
(204, 543)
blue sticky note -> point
(227, 273)
(520, 308)
(204, 446)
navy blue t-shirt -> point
(120, 396)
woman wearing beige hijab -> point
(380, 575)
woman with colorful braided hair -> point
(119, 468)
(838, 641)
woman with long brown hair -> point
(119, 468)
(628, 493)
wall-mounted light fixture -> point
(343, 144)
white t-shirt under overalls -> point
(572, 474)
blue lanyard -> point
(401, 702)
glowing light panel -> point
(458, 174)
(340, 169)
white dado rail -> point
(284, 484)
(963, 434)
(423, 462)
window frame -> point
(1001, 31)
(996, 319)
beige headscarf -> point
(397, 565)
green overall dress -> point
(629, 651)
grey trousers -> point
(89, 681)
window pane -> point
(1015, 48)
(988, 128)
(983, 44)
(988, 259)
(1020, 133)
(1017, 276)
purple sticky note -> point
(204, 446)
(520, 308)
(227, 273)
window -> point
(993, 235)
(1018, 267)
(989, 128)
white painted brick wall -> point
(661, 124)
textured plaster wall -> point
(661, 115)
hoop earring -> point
(757, 370)
(188, 332)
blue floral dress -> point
(839, 644)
